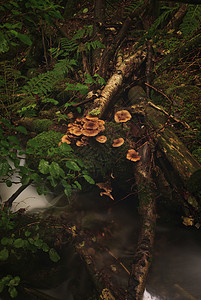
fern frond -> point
(133, 7)
(192, 20)
(68, 45)
(44, 83)
(93, 45)
(40, 84)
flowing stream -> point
(176, 269)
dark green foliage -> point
(12, 28)
(18, 246)
(192, 20)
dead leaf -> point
(107, 194)
(188, 221)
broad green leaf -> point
(8, 183)
(78, 185)
(67, 190)
(52, 180)
(72, 165)
(4, 254)
(12, 291)
(5, 241)
(27, 233)
(45, 247)
(38, 243)
(4, 168)
(44, 166)
(41, 190)
(25, 179)
(35, 177)
(85, 10)
(18, 243)
(54, 256)
(22, 37)
(89, 179)
(56, 170)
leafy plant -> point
(10, 282)
(15, 246)
(12, 28)
(61, 166)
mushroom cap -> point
(122, 116)
(133, 155)
(90, 132)
(65, 139)
(118, 142)
(91, 118)
(78, 121)
(75, 129)
(81, 143)
(90, 125)
(101, 139)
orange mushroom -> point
(90, 132)
(75, 129)
(65, 139)
(81, 143)
(122, 116)
(133, 155)
(101, 139)
(90, 125)
(118, 142)
(91, 118)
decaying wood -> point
(116, 80)
(146, 196)
(174, 150)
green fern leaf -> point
(192, 19)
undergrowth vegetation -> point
(49, 69)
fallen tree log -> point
(115, 82)
(147, 202)
(174, 150)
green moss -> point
(41, 125)
(44, 141)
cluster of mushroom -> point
(121, 117)
(91, 126)
(86, 127)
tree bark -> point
(174, 150)
(177, 18)
(143, 254)
(116, 80)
